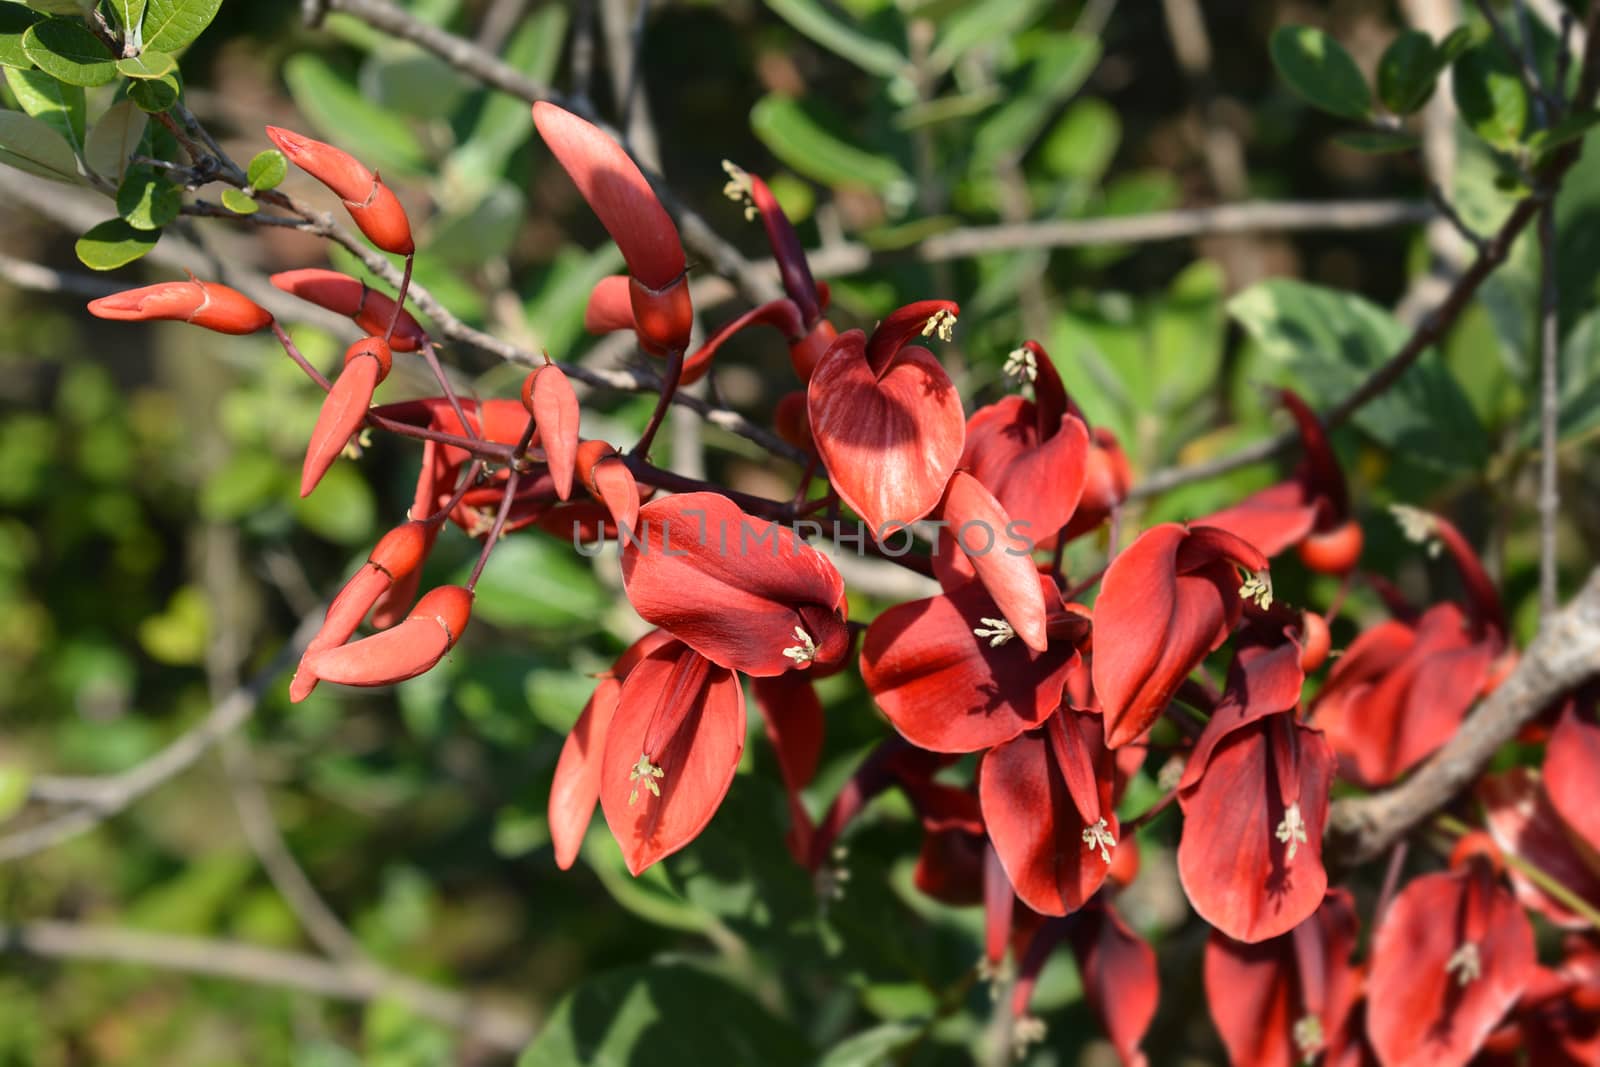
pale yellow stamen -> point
(1466, 963)
(1258, 587)
(1292, 830)
(942, 323)
(1308, 1036)
(1099, 837)
(1021, 365)
(1025, 1033)
(805, 651)
(998, 631)
(645, 773)
(739, 190)
(1418, 527)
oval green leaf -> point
(804, 145)
(1377, 142)
(14, 783)
(150, 63)
(54, 103)
(171, 24)
(14, 22)
(65, 49)
(146, 200)
(1320, 71)
(1408, 71)
(267, 170)
(156, 95)
(31, 145)
(130, 13)
(1490, 96)
(114, 244)
(338, 111)
(239, 202)
(114, 140)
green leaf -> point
(61, 7)
(1409, 72)
(1490, 96)
(1320, 71)
(483, 229)
(114, 244)
(154, 96)
(505, 123)
(267, 170)
(34, 146)
(147, 64)
(533, 581)
(869, 53)
(1330, 341)
(130, 14)
(14, 22)
(178, 635)
(239, 202)
(1568, 129)
(59, 105)
(65, 49)
(1377, 142)
(1062, 63)
(14, 784)
(1083, 142)
(803, 144)
(339, 112)
(406, 79)
(977, 24)
(171, 24)
(342, 509)
(872, 1047)
(114, 139)
(146, 200)
(664, 1014)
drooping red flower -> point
(1254, 795)
(1031, 454)
(207, 304)
(354, 299)
(366, 363)
(1288, 999)
(951, 676)
(1000, 557)
(372, 204)
(1451, 956)
(744, 592)
(671, 750)
(889, 429)
(1524, 823)
(1048, 801)
(403, 651)
(1166, 601)
(1572, 767)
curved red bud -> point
(610, 306)
(373, 205)
(352, 298)
(215, 307)
(1335, 551)
(890, 440)
(670, 752)
(554, 407)
(787, 250)
(608, 478)
(366, 363)
(1316, 641)
(806, 353)
(403, 651)
(1322, 473)
(664, 317)
(1120, 980)
(618, 193)
(925, 318)
(983, 531)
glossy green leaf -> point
(114, 139)
(664, 1014)
(113, 244)
(1490, 95)
(1328, 342)
(1409, 72)
(148, 64)
(1377, 142)
(239, 202)
(156, 95)
(1320, 71)
(34, 146)
(65, 49)
(814, 20)
(267, 170)
(14, 22)
(171, 24)
(55, 103)
(340, 113)
(146, 200)
(792, 135)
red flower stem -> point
(1084, 586)
(669, 386)
(400, 300)
(1391, 880)
(1144, 818)
(519, 453)
(1058, 557)
(494, 531)
(466, 483)
(430, 354)
(805, 483)
(294, 353)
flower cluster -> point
(1019, 705)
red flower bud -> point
(664, 317)
(366, 363)
(406, 650)
(608, 478)
(792, 421)
(216, 307)
(548, 397)
(806, 353)
(1335, 552)
(1315, 641)
(373, 205)
(344, 295)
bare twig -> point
(1549, 410)
(33, 276)
(1564, 654)
(500, 1028)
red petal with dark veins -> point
(692, 713)
(576, 788)
(890, 441)
(947, 689)
(1418, 1012)
(1037, 481)
(1120, 980)
(1571, 769)
(1034, 823)
(732, 586)
(1524, 823)
(980, 528)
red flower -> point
(1255, 799)
(1523, 823)
(372, 204)
(366, 363)
(403, 651)
(950, 676)
(352, 298)
(671, 748)
(207, 304)
(1048, 801)
(1000, 557)
(1572, 767)
(1282, 1001)
(1032, 455)
(887, 421)
(792, 717)
(1451, 956)
(1106, 479)
(547, 395)
(744, 592)
(1166, 601)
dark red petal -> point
(692, 712)
(787, 250)
(730, 585)
(904, 324)
(1273, 520)
(1120, 980)
(793, 718)
(1038, 480)
(1571, 769)
(576, 788)
(781, 315)
(1524, 823)
(981, 529)
(949, 690)
(890, 441)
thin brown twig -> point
(1549, 504)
